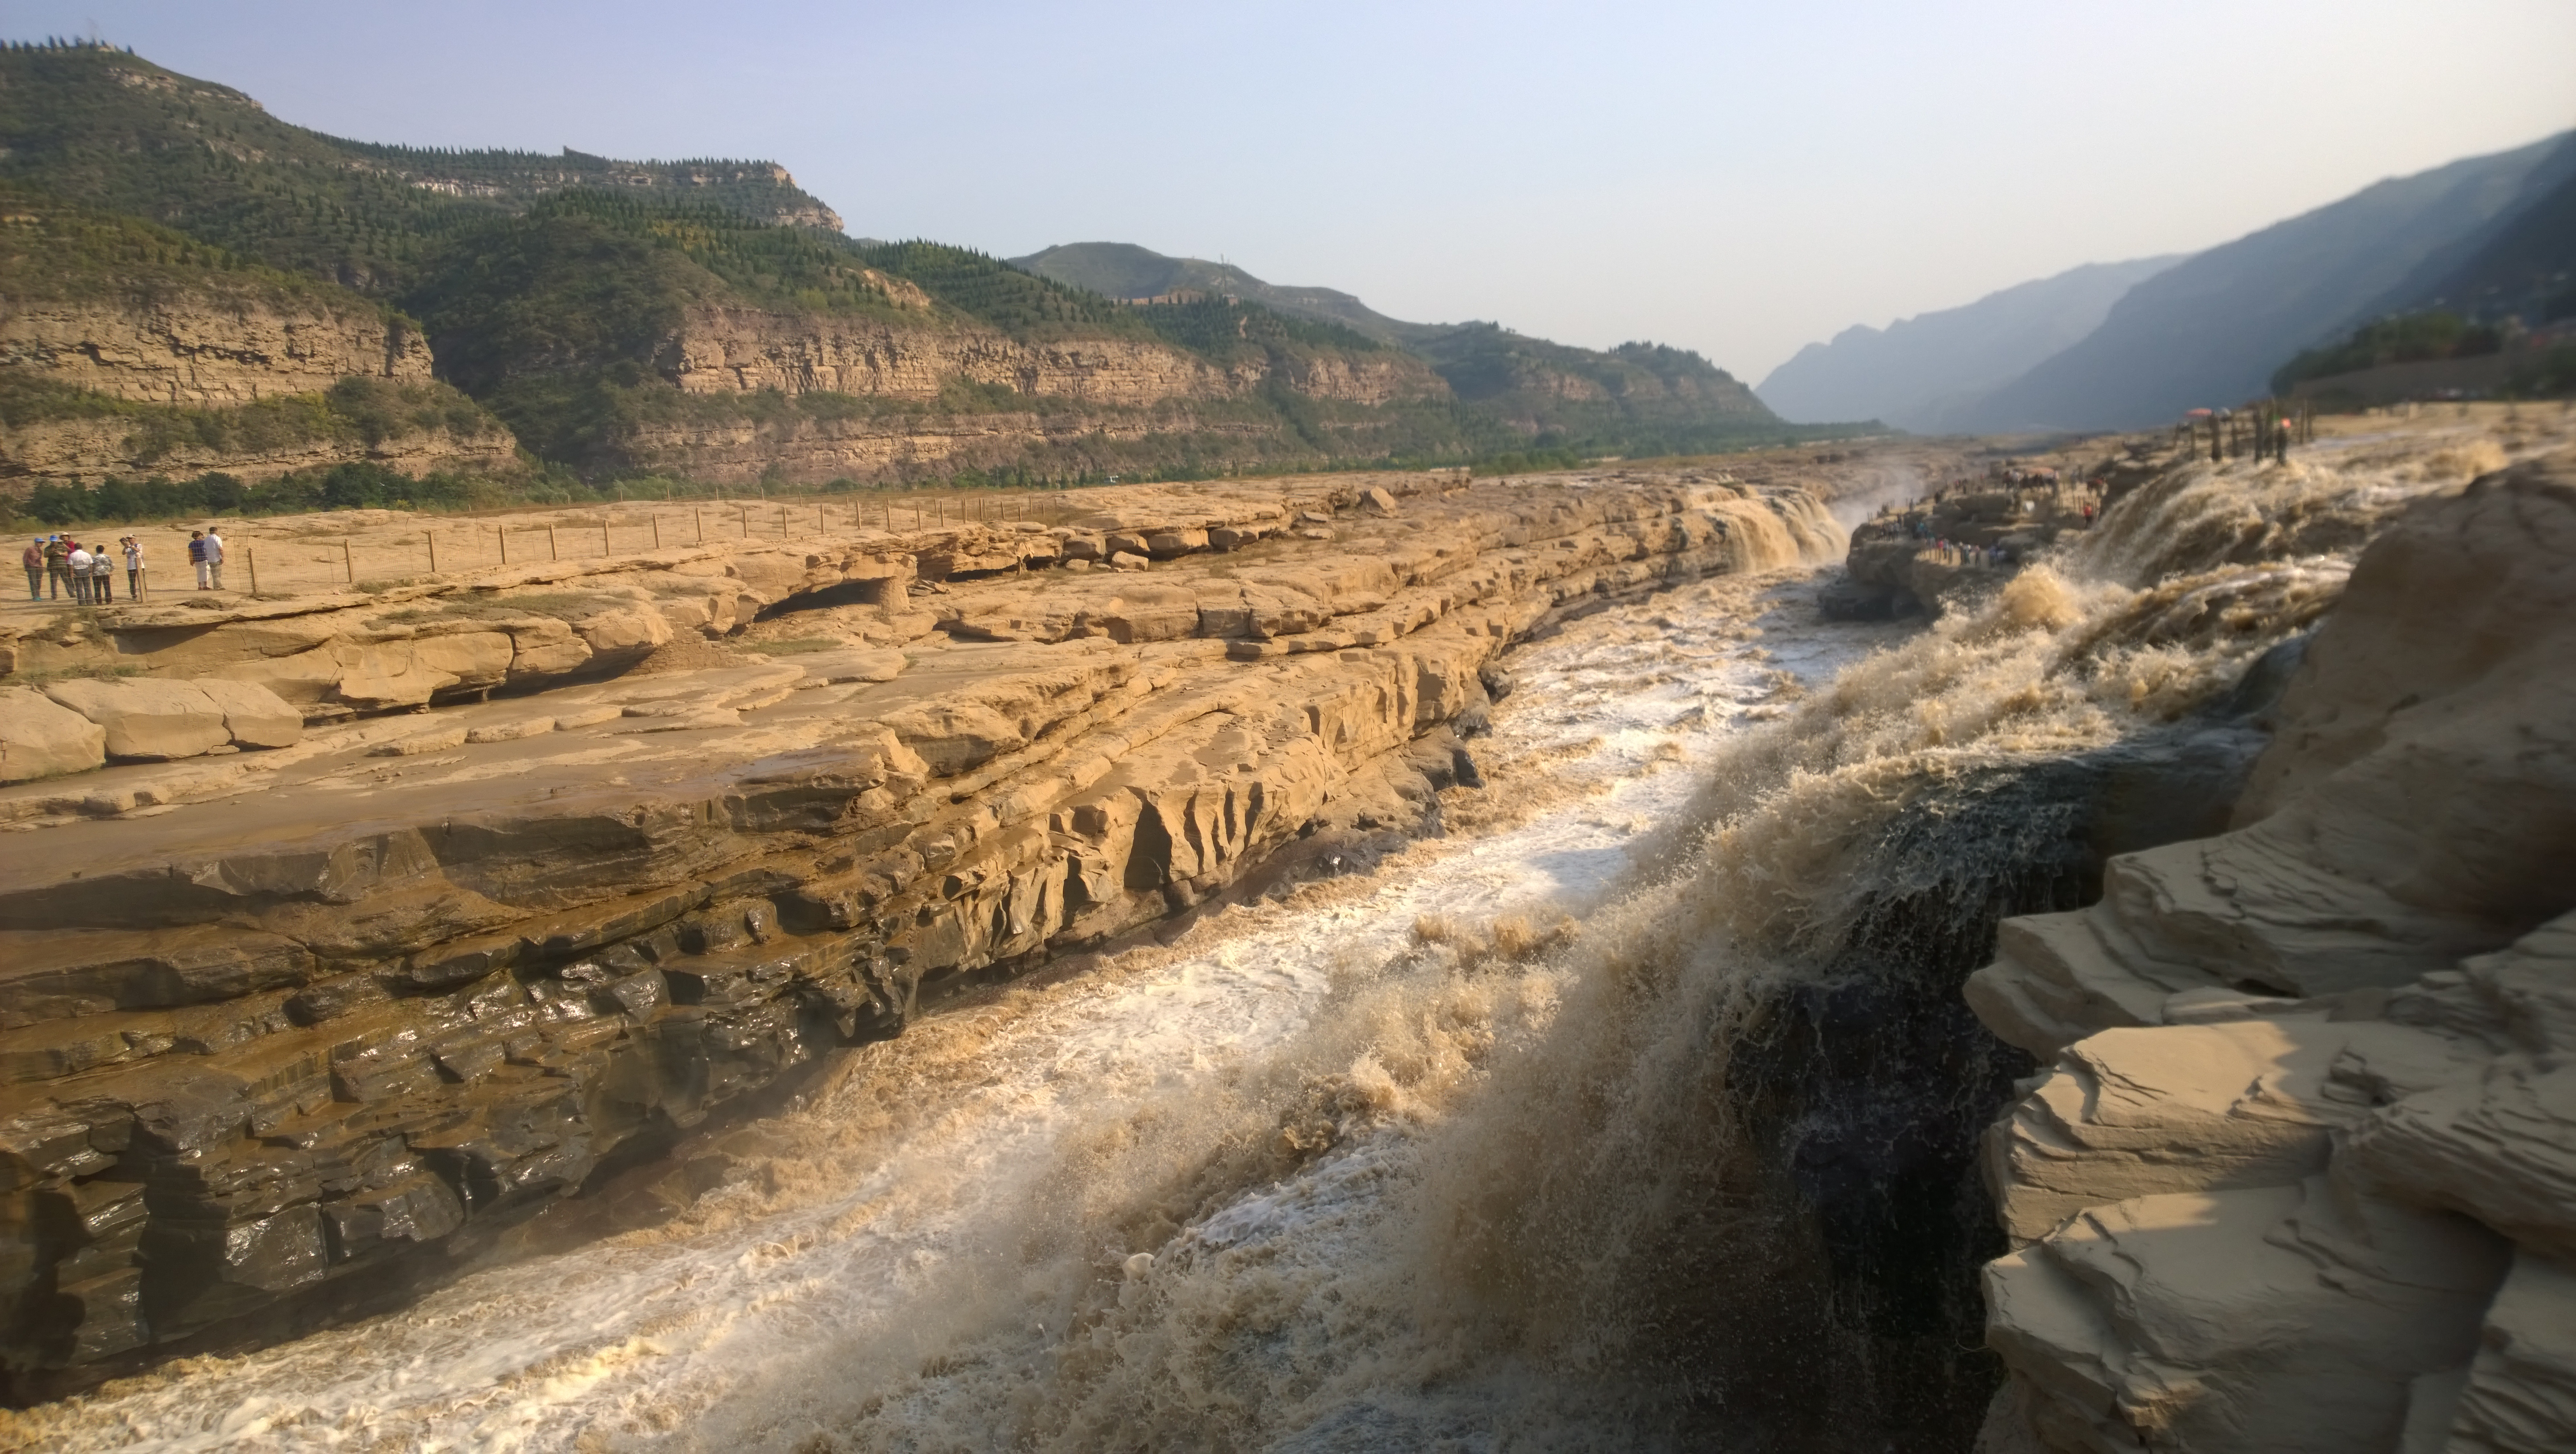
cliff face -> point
(808, 450)
(2303, 1173)
(206, 350)
(89, 450)
(741, 350)
(260, 1054)
(758, 189)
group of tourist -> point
(62, 565)
(1969, 556)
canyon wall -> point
(236, 381)
(266, 1047)
(741, 350)
(91, 449)
(2299, 1174)
(208, 349)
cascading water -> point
(1633, 1114)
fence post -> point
(657, 530)
(432, 537)
(250, 553)
(604, 547)
(554, 548)
(701, 512)
(504, 533)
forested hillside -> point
(1639, 397)
(708, 318)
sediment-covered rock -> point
(273, 1019)
(2303, 1174)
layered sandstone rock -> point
(273, 1023)
(208, 350)
(88, 450)
(2303, 1173)
(744, 350)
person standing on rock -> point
(102, 577)
(215, 556)
(58, 557)
(134, 568)
(2281, 439)
(34, 560)
(197, 555)
(77, 563)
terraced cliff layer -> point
(745, 350)
(208, 349)
(281, 1022)
(414, 428)
(2303, 1173)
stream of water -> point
(1429, 1158)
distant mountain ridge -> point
(1914, 371)
(1550, 391)
(2486, 235)
(1126, 271)
(2209, 331)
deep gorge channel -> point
(1507, 1143)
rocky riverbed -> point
(547, 875)
(2145, 970)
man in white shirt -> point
(214, 557)
(80, 563)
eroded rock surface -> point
(2303, 1174)
(662, 829)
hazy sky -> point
(1735, 178)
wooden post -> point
(348, 562)
(554, 547)
(782, 522)
(432, 537)
(604, 547)
(250, 553)
(657, 530)
(701, 512)
(504, 533)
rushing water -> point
(960, 1197)
(1442, 1157)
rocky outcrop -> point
(1896, 568)
(2302, 1175)
(142, 721)
(208, 350)
(743, 350)
(277, 1023)
(89, 449)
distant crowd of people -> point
(61, 565)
